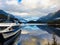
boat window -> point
(3, 27)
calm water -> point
(36, 33)
(46, 28)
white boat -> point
(9, 29)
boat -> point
(9, 29)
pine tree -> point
(54, 39)
(48, 43)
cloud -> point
(12, 2)
(24, 32)
(31, 4)
(30, 7)
(22, 14)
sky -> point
(25, 8)
(30, 7)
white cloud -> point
(30, 3)
(18, 14)
(30, 7)
(12, 2)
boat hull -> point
(11, 40)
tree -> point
(48, 43)
(54, 39)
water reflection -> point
(47, 28)
(50, 29)
(39, 35)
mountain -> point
(32, 21)
(6, 17)
(44, 19)
(56, 20)
(5, 14)
(29, 18)
(50, 17)
(57, 14)
(21, 19)
(55, 23)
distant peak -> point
(58, 11)
(1, 10)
